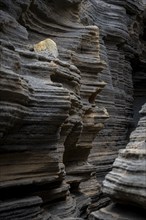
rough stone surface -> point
(126, 183)
(21, 209)
(47, 46)
(48, 115)
(120, 26)
(116, 212)
(66, 67)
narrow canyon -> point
(72, 109)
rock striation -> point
(48, 115)
(126, 183)
(67, 68)
(120, 25)
(114, 211)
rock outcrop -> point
(126, 183)
(48, 118)
(66, 67)
(116, 212)
(120, 25)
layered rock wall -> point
(127, 180)
(126, 183)
(121, 25)
(66, 67)
(49, 119)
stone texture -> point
(126, 183)
(48, 117)
(66, 66)
(21, 209)
(47, 46)
(120, 25)
(116, 212)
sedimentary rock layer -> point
(120, 27)
(48, 116)
(63, 63)
(126, 183)
(116, 212)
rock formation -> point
(120, 26)
(126, 183)
(49, 118)
(66, 67)
(127, 180)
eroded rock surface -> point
(48, 118)
(126, 182)
(121, 25)
(66, 66)
(118, 212)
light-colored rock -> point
(47, 46)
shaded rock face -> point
(121, 29)
(118, 212)
(126, 183)
(48, 118)
(63, 63)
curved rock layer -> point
(48, 115)
(116, 212)
(121, 26)
(126, 183)
(63, 63)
